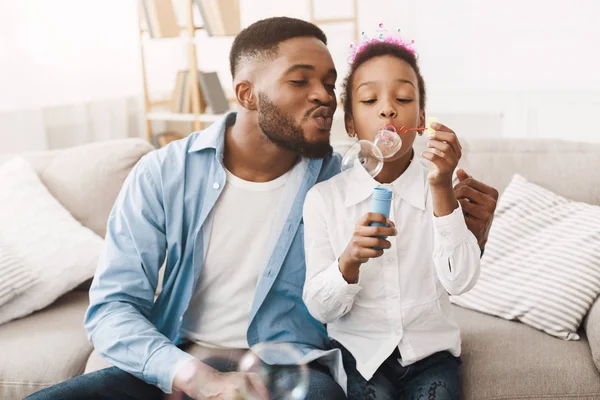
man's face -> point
(296, 97)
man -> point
(223, 207)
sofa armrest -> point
(591, 324)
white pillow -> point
(59, 251)
(15, 277)
(542, 261)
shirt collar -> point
(410, 186)
(213, 137)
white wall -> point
(536, 63)
(68, 70)
(67, 51)
(511, 68)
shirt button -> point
(180, 319)
(216, 185)
(159, 386)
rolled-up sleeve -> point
(122, 293)
(456, 254)
(326, 294)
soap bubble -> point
(371, 155)
(388, 141)
(280, 368)
(363, 153)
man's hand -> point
(201, 382)
(478, 203)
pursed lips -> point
(323, 117)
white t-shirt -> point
(242, 221)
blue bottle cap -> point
(382, 193)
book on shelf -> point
(177, 99)
(221, 17)
(211, 93)
(160, 18)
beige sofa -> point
(501, 359)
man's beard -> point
(281, 129)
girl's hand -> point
(361, 246)
(444, 152)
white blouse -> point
(401, 298)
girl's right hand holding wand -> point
(364, 244)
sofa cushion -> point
(509, 360)
(75, 175)
(592, 330)
(549, 163)
(16, 277)
(60, 252)
(44, 348)
(542, 261)
(569, 169)
(95, 363)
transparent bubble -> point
(388, 141)
(364, 153)
(288, 380)
(371, 155)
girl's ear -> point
(349, 123)
(422, 121)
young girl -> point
(388, 310)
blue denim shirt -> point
(159, 216)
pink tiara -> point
(382, 37)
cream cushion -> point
(44, 348)
(87, 179)
(60, 252)
(50, 346)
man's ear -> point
(244, 92)
(349, 123)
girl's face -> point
(385, 92)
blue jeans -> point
(436, 377)
(115, 384)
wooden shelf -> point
(159, 110)
(333, 20)
(180, 117)
(159, 103)
(183, 36)
(183, 29)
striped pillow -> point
(542, 261)
(14, 277)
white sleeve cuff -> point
(328, 296)
(450, 230)
(338, 286)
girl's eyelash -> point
(398, 100)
